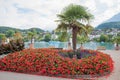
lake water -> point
(64, 45)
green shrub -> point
(104, 38)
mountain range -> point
(4, 29)
(113, 22)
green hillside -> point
(113, 22)
(4, 29)
(109, 25)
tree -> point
(104, 38)
(82, 39)
(40, 37)
(2, 38)
(31, 35)
(110, 37)
(10, 33)
(47, 37)
(118, 34)
(116, 40)
(63, 37)
(17, 35)
(74, 17)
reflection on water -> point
(58, 44)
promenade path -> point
(115, 75)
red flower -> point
(48, 61)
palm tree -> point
(17, 35)
(75, 18)
(10, 33)
(31, 36)
(117, 41)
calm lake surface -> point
(64, 45)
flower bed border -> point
(106, 74)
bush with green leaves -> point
(104, 38)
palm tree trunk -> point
(0, 41)
(31, 45)
(74, 37)
(31, 40)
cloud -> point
(110, 3)
(110, 9)
(42, 13)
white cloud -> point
(90, 4)
(42, 13)
(108, 3)
(113, 9)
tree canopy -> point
(75, 18)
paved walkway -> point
(115, 75)
(17, 76)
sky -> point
(26, 14)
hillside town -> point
(110, 31)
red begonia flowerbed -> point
(49, 62)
